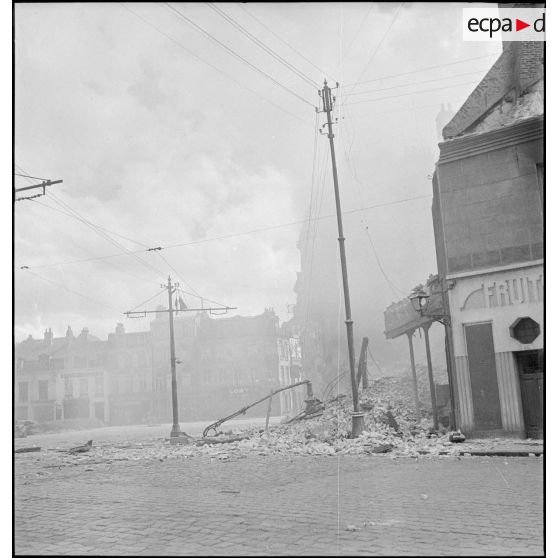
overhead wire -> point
(420, 70)
(362, 22)
(27, 176)
(234, 235)
(378, 46)
(212, 66)
(296, 51)
(340, 119)
(410, 93)
(149, 299)
(204, 299)
(235, 54)
(98, 226)
(262, 45)
(312, 226)
(75, 215)
(395, 289)
(411, 83)
(102, 234)
(72, 291)
(82, 220)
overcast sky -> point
(165, 138)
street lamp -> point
(419, 300)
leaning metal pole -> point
(358, 417)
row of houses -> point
(222, 365)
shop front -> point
(499, 353)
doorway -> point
(530, 366)
(484, 381)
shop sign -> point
(506, 292)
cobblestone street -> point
(270, 505)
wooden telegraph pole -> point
(357, 417)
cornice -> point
(474, 144)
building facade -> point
(488, 221)
(61, 378)
(222, 365)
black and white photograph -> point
(278, 278)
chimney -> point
(48, 337)
(119, 329)
(84, 333)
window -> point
(23, 392)
(141, 384)
(83, 387)
(80, 362)
(525, 330)
(99, 385)
(43, 390)
(68, 387)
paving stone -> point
(286, 506)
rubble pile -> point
(390, 428)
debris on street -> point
(82, 449)
(390, 432)
(27, 450)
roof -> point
(31, 349)
(511, 110)
(498, 100)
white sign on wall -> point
(526, 289)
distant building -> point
(129, 362)
(222, 365)
(61, 378)
(488, 222)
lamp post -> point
(419, 300)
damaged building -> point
(488, 211)
(223, 364)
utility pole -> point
(42, 185)
(357, 416)
(176, 434)
(175, 431)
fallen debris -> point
(27, 450)
(82, 449)
(219, 440)
(457, 437)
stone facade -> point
(222, 365)
(488, 222)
